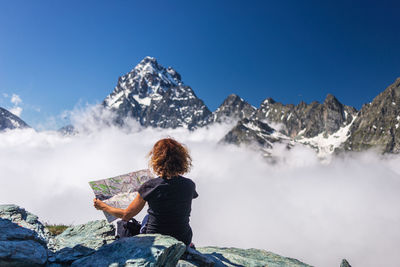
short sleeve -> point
(195, 195)
(146, 189)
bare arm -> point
(125, 214)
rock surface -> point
(378, 124)
(25, 219)
(81, 240)
(93, 244)
(68, 130)
(345, 263)
(233, 108)
(248, 257)
(142, 250)
(307, 120)
(92, 235)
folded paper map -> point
(119, 191)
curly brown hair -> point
(169, 158)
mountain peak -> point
(156, 96)
(10, 121)
(331, 99)
(148, 59)
(232, 98)
(269, 100)
(233, 108)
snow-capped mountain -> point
(156, 96)
(324, 126)
(9, 121)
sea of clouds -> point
(300, 207)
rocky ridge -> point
(9, 121)
(24, 241)
(377, 125)
(307, 120)
(157, 97)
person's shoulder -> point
(187, 180)
(146, 189)
(152, 182)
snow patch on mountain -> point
(324, 143)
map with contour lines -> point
(119, 191)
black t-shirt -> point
(170, 203)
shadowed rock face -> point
(20, 246)
(9, 121)
(233, 108)
(23, 239)
(378, 123)
(250, 132)
(25, 219)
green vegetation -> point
(56, 229)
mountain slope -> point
(156, 96)
(377, 125)
(9, 121)
(307, 120)
(233, 108)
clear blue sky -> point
(56, 54)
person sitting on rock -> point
(169, 195)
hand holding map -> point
(119, 191)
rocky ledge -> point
(24, 241)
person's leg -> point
(144, 222)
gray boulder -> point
(248, 257)
(25, 219)
(92, 235)
(80, 241)
(20, 246)
(142, 250)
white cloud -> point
(299, 207)
(15, 99)
(16, 111)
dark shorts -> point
(184, 235)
